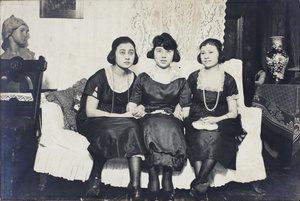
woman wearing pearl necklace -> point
(213, 123)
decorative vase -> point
(277, 60)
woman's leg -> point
(134, 171)
(95, 178)
(197, 166)
(153, 184)
(167, 183)
(134, 189)
(206, 168)
(201, 184)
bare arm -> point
(92, 111)
(232, 113)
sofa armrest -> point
(251, 119)
(53, 131)
(52, 116)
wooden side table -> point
(280, 105)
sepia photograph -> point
(150, 100)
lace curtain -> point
(188, 21)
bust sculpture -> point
(15, 35)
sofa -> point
(62, 151)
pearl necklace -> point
(204, 99)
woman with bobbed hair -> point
(213, 125)
(104, 120)
(161, 94)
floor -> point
(280, 184)
(20, 182)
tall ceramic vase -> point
(277, 60)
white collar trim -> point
(207, 81)
(174, 74)
(119, 88)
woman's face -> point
(21, 35)
(163, 57)
(209, 55)
(125, 55)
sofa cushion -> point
(69, 101)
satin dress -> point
(162, 132)
(220, 144)
(109, 137)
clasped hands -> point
(135, 111)
(209, 120)
(139, 111)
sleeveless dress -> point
(162, 132)
(221, 143)
(109, 137)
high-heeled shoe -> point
(135, 193)
(153, 195)
(198, 187)
(94, 187)
(167, 196)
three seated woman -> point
(143, 117)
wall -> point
(76, 48)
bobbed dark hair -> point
(217, 44)
(111, 57)
(166, 41)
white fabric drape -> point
(188, 21)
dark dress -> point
(220, 144)
(109, 137)
(162, 132)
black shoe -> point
(153, 196)
(167, 196)
(94, 187)
(196, 196)
(135, 193)
(198, 187)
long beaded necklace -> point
(113, 92)
(204, 99)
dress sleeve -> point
(185, 95)
(232, 90)
(94, 84)
(136, 94)
(192, 79)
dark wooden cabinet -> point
(20, 120)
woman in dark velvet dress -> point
(213, 123)
(111, 130)
(164, 94)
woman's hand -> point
(127, 114)
(139, 111)
(210, 120)
(178, 112)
